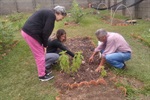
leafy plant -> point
(103, 72)
(64, 62)
(76, 12)
(77, 61)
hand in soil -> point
(98, 69)
(91, 59)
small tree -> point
(76, 12)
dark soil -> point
(87, 73)
(116, 22)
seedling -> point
(77, 61)
(103, 72)
(64, 62)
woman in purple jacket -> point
(36, 32)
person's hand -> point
(45, 50)
(91, 59)
(98, 69)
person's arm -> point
(47, 30)
(110, 48)
(45, 50)
(98, 69)
(97, 49)
(92, 56)
(62, 47)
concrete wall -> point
(143, 9)
(10, 6)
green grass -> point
(18, 72)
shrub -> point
(76, 12)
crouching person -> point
(114, 48)
(55, 47)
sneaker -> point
(48, 72)
(124, 67)
(46, 77)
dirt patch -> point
(86, 73)
(116, 22)
(93, 93)
(71, 23)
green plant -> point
(103, 72)
(76, 12)
(64, 62)
(77, 61)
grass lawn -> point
(18, 74)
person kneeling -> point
(114, 48)
(55, 47)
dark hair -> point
(59, 33)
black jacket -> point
(55, 46)
(40, 25)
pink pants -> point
(37, 51)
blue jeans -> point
(50, 58)
(117, 59)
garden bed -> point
(86, 84)
(86, 71)
(116, 22)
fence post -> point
(124, 10)
(16, 4)
(34, 4)
(109, 3)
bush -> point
(76, 12)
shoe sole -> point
(46, 79)
(49, 73)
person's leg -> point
(50, 59)
(117, 59)
(38, 52)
